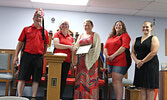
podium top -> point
(57, 57)
(60, 54)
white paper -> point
(83, 49)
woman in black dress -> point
(144, 53)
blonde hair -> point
(63, 21)
(88, 20)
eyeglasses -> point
(38, 16)
(64, 24)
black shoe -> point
(33, 98)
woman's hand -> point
(72, 48)
(139, 63)
(111, 57)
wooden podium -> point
(54, 75)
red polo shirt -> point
(66, 40)
(34, 43)
(113, 44)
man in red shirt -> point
(33, 42)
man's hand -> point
(15, 60)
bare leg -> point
(117, 84)
(157, 97)
(20, 87)
(150, 94)
(34, 88)
(144, 94)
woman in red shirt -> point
(114, 50)
(63, 43)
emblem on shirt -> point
(69, 38)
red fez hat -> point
(39, 11)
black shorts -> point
(31, 64)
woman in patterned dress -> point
(86, 85)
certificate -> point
(83, 49)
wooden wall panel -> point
(163, 84)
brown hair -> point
(148, 22)
(114, 31)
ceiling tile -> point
(150, 8)
(156, 6)
(112, 10)
(152, 13)
(58, 7)
(161, 1)
(122, 4)
(10, 3)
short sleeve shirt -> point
(33, 41)
(113, 44)
(66, 40)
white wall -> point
(12, 21)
